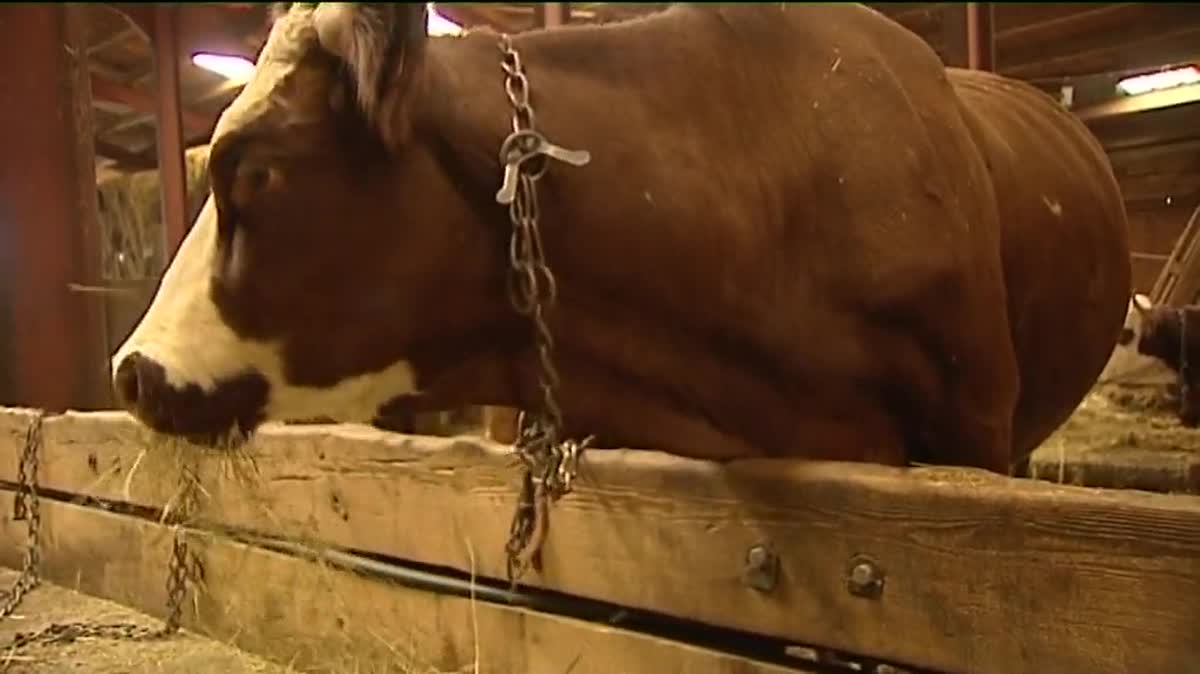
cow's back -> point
(1064, 242)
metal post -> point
(52, 345)
(172, 171)
(981, 36)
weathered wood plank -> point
(983, 573)
(322, 619)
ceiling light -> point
(1166, 79)
(234, 68)
(437, 24)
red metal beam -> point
(142, 15)
(104, 89)
(53, 351)
(172, 169)
(981, 36)
(551, 14)
(134, 161)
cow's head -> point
(1171, 335)
(336, 233)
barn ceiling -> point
(1087, 47)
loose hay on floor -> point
(183, 653)
(1123, 436)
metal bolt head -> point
(762, 568)
(865, 578)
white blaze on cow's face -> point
(185, 368)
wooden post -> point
(52, 345)
(172, 171)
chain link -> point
(27, 508)
(550, 461)
(183, 566)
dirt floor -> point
(182, 653)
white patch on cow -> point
(1125, 364)
(1142, 303)
(1054, 206)
(183, 331)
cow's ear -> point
(380, 43)
(278, 10)
(1142, 303)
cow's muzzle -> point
(232, 409)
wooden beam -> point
(172, 169)
(980, 573)
(52, 340)
(1154, 100)
(1127, 155)
(1024, 14)
(1154, 127)
(1159, 185)
(1191, 200)
(1185, 159)
(125, 159)
(313, 616)
(1167, 21)
(1086, 20)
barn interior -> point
(110, 106)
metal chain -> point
(27, 508)
(550, 461)
(184, 564)
(182, 567)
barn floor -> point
(1123, 436)
(183, 653)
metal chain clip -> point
(550, 461)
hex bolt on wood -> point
(761, 571)
(864, 578)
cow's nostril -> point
(126, 384)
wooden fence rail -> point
(976, 573)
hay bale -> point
(130, 216)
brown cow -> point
(1171, 335)
(797, 236)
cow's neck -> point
(482, 358)
(616, 343)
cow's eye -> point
(252, 179)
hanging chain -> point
(184, 564)
(27, 508)
(550, 461)
(182, 567)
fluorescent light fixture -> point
(437, 24)
(1166, 79)
(240, 70)
(234, 68)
